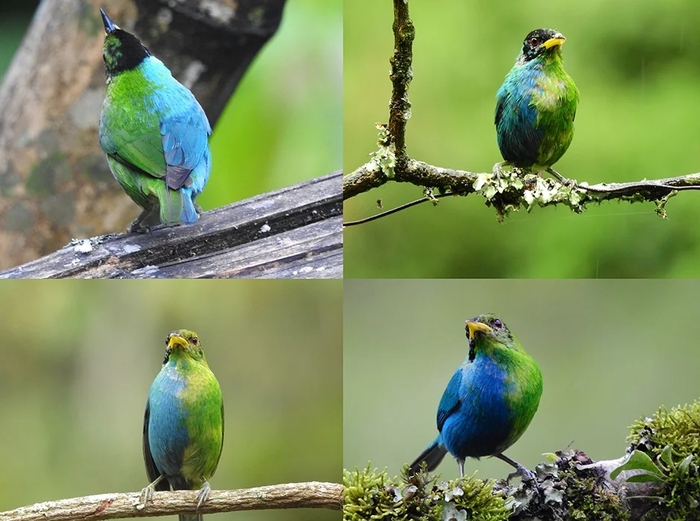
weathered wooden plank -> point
(295, 232)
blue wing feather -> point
(450, 400)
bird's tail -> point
(190, 517)
(176, 205)
(432, 456)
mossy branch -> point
(657, 479)
(507, 192)
(117, 506)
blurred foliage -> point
(283, 124)
(609, 351)
(637, 65)
(79, 358)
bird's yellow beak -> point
(175, 340)
(473, 327)
(552, 42)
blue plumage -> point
(166, 428)
(474, 417)
(489, 401)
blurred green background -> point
(637, 65)
(78, 358)
(284, 123)
(610, 352)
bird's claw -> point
(563, 180)
(145, 496)
(147, 493)
(524, 473)
(497, 169)
(203, 494)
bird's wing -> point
(450, 400)
(500, 103)
(222, 437)
(151, 468)
(184, 141)
(141, 151)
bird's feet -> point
(526, 475)
(497, 169)
(147, 493)
(520, 470)
(563, 180)
(137, 225)
(203, 493)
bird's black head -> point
(122, 51)
(542, 41)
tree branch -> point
(401, 74)
(506, 191)
(313, 494)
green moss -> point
(586, 495)
(672, 441)
(372, 495)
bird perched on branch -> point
(536, 105)
(183, 428)
(490, 400)
(154, 132)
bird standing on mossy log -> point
(154, 132)
(183, 428)
(536, 105)
(490, 400)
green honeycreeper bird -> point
(183, 428)
(490, 400)
(536, 105)
(154, 132)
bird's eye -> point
(195, 340)
(534, 42)
(497, 323)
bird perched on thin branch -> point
(536, 105)
(489, 402)
(183, 428)
(154, 132)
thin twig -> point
(404, 206)
(120, 505)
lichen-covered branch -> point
(657, 478)
(513, 190)
(507, 192)
(117, 506)
(401, 75)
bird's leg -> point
(563, 180)
(497, 169)
(460, 464)
(520, 470)
(203, 493)
(147, 492)
(136, 226)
